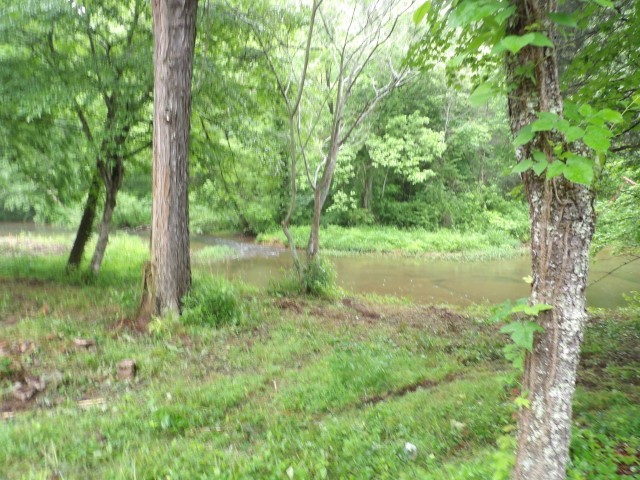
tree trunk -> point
(367, 194)
(174, 32)
(562, 224)
(113, 181)
(86, 223)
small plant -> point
(520, 331)
(213, 303)
(319, 277)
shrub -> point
(215, 302)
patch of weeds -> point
(319, 278)
(597, 456)
(213, 302)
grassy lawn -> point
(291, 388)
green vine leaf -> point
(555, 169)
(573, 134)
(525, 135)
(421, 12)
(597, 138)
(579, 169)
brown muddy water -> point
(422, 280)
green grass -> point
(446, 243)
(214, 253)
(305, 386)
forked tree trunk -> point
(562, 225)
(112, 180)
(174, 32)
(86, 224)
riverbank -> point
(284, 387)
(450, 244)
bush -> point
(215, 302)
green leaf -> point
(579, 169)
(610, 116)
(420, 13)
(604, 3)
(585, 110)
(541, 40)
(531, 309)
(539, 156)
(597, 138)
(540, 167)
(525, 135)
(514, 43)
(522, 333)
(546, 121)
(573, 134)
(482, 94)
(555, 169)
(522, 166)
(563, 19)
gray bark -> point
(562, 225)
(174, 31)
(112, 175)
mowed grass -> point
(297, 388)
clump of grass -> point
(214, 253)
(213, 302)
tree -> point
(555, 156)
(92, 68)
(329, 92)
(174, 32)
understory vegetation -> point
(251, 385)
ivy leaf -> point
(597, 138)
(525, 135)
(555, 169)
(563, 19)
(579, 169)
(539, 156)
(573, 134)
(540, 167)
(420, 13)
(522, 166)
(483, 93)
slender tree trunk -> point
(562, 224)
(113, 181)
(367, 195)
(174, 32)
(86, 223)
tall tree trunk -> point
(112, 180)
(562, 224)
(174, 32)
(86, 223)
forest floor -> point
(295, 388)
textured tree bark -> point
(174, 32)
(86, 223)
(112, 179)
(562, 225)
